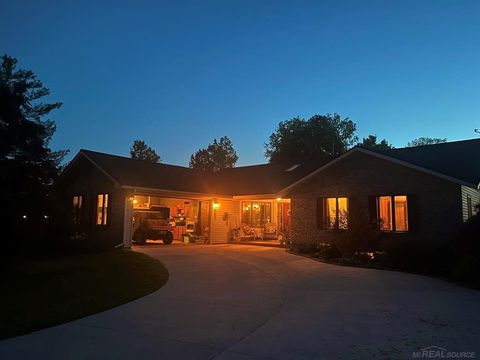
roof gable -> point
(467, 173)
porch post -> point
(127, 222)
(210, 222)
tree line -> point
(321, 137)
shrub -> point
(422, 256)
(305, 247)
(329, 251)
(467, 251)
(362, 236)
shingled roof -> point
(457, 159)
(145, 174)
(245, 180)
(263, 179)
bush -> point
(329, 251)
(307, 247)
(467, 252)
(422, 256)
(362, 236)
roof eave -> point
(173, 193)
(256, 196)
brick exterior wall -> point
(87, 180)
(359, 176)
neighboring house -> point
(416, 193)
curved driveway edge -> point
(248, 302)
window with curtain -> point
(77, 207)
(393, 213)
(256, 214)
(385, 213)
(102, 209)
(336, 213)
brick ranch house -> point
(417, 193)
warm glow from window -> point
(102, 209)
(401, 213)
(343, 213)
(331, 212)
(256, 214)
(393, 213)
(385, 212)
(336, 213)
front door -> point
(284, 220)
(203, 216)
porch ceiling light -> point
(215, 204)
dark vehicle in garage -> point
(153, 224)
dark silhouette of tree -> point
(426, 141)
(321, 136)
(217, 156)
(141, 151)
(28, 167)
(370, 142)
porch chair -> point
(248, 233)
(269, 231)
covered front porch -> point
(207, 219)
(263, 219)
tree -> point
(371, 143)
(217, 156)
(141, 151)
(426, 141)
(321, 136)
(28, 167)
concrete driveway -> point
(246, 302)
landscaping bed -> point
(42, 293)
(415, 259)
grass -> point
(43, 293)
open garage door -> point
(157, 218)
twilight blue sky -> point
(179, 73)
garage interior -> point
(189, 218)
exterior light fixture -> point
(279, 199)
(215, 205)
(24, 217)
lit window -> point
(102, 209)
(393, 213)
(342, 213)
(256, 214)
(385, 212)
(336, 213)
(77, 206)
(330, 213)
(401, 213)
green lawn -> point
(43, 293)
